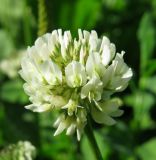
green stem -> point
(92, 140)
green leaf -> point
(147, 150)
(141, 103)
(117, 5)
(12, 91)
(151, 67)
(6, 45)
(7, 5)
(148, 83)
(11, 12)
(86, 11)
(146, 36)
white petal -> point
(51, 72)
(39, 42)
(60, 128)
(105, 41)
(33, 54)
(111, 106)
(38, 108)
(94, 87)
(106, 55)
(128, 74)
(67, 38)
(122, 87)
(60, 35)
(63, 50)
(94, 65)
(59, 120)
(101, 117)
(80, 34)
(107, 75)
(113, 50)
(44, 52)
(86, 35)
(93, 41)
(29, 71)
(75, 74)
(118, 63)
(78, 134)
(71, 129)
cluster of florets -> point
(76, 77)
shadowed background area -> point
(131, 25)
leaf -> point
(6, 45)
(147, 150)
(86, 11)
(146, 36)
(12, 91)
(11, 19)
(117, 5)
(7, 5)
(151, 67)
(141, 103)
(148, 83)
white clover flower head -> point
(21, 150)
(75, 76)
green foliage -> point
(146, 151)
(131, 25)
(6, 45)
(146, 36)
(141, 102)
(12, 92)
(117, 5)
(83, 16)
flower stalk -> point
(42, 18)
(92, 140)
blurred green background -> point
(131, 25)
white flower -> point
(75, 77)
(21, 150)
